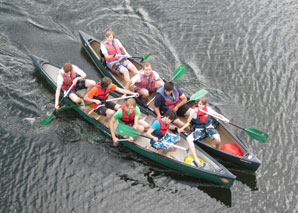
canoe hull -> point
(222, 177)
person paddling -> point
(99, 95)
(112, 50)
(203, 123)
(129, 114)
(71, 76)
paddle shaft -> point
(222, 119)
(66, 94)
(178, 147)
(114, 99)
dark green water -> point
(243, 52)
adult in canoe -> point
(99, 95)
(112, 50)
(171, 97)
(203, 123)
(147, 81)
(129, 114)
(160, 138)
(71, 78)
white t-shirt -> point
(137, 77)
(104, 49)
(76, 69)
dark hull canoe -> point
(247, 162)
(215, 172)
(92, 46)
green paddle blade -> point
(146, 56)
(179, 72)
(127, 130)
(46, 120)
(199, 94)
(257, 134)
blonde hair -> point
(203, 100)
(110, 32)
(146, 64)
(131, 102)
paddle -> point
(199, 94)
(177, 74)
(132, 132)
(49, 117)
(142, 58)
(251, 132)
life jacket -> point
(162, 131)
(170, 102)
(112, 49)
(67, 81)
(202, 119)
(128, 120)
(103, 94)
(147, 83)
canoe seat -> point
(98, 117)
(149, 146)
(158, 151)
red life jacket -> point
(201, 115)
(112, 49)
(163, 129)
(128, 120)
(169, 103)
(103, 94)
(145, 83)
(67, 81)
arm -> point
(156, 110)
(57, 95)
(183, 101)
(88, 99)
(126, 91)
(112, 121)
(157, 102)
(136, 123)
(149, 134)
(225, 120)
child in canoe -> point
(160, 138)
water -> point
(243, 52)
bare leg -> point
(89, 84)
(132, 68)
(192, 148)
(217, 140)
(144, 93)
(125, 73)
(76, 99)
(144, 124)
(109, 114)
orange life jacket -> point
(128, 120)
(67, 81)
(103, 94)
(112, 49)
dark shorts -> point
(115, 66)
(103, 109)
(181, 111)
(80, 85)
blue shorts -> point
(201, 133)
(168, 138)
(115, 66)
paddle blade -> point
(46, 120)
(199, 94)
(146, 56)
(127, 130)
(257, 134)
(179, 72)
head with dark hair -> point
(105, 82)
(171, 114)
(169, 86)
